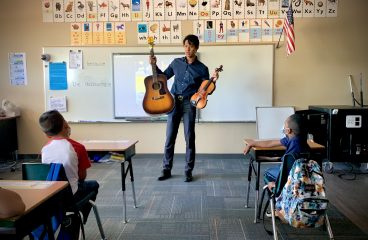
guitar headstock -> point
(219, 69)
(151, 41)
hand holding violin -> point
(199, 99)
(215, 74)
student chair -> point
(287, 163)
(40, 171)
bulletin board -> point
(245, 83)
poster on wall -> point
(220, 31)
(320, 8)
(98, 36)
(255, 33)
(47, 13)
(58, 9)
(273, 9)
(232, 32)
(243, 30)
(114, 10)
(142, 29)
(80, 11)
(176, 32)
(17, 69)
(331, 8)
(69, 13)
(209, 31)
(198, 29)
(76, 34)
(109, 33)
(267, 30)
(308, 8)
(87, 38)
(91, 10)
(278, 30)
(120, 35)
(165, 32)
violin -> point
(199, 99)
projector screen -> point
(128, 79)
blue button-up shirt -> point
(188, 77)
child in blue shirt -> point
(295, 141)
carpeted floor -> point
(210, 207)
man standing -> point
(189, 73)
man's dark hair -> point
(298, 124)
(192, 40)
(51, 122)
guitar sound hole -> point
(156, 85)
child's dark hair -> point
(298, 124)
(192, 40)
(51, 122)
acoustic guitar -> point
(157, 99)
(199, 99)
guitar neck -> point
(154, 66)
(154, 70)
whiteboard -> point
(245, 83)
(270, 121)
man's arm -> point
(11, 204)
(249, 143)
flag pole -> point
(278, 43)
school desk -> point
(42, 199)
(261, 155)
(124, 147)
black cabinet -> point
(8, 136)
(345, 132)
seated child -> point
(73, 156)
(295, 141)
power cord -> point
(345, 174)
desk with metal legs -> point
(124, 147)
(260, 155)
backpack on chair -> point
(302, 202)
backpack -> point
(302, 202)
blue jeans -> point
(271, 174)
(183, 109)
(85, 188)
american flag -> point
(289, 31)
